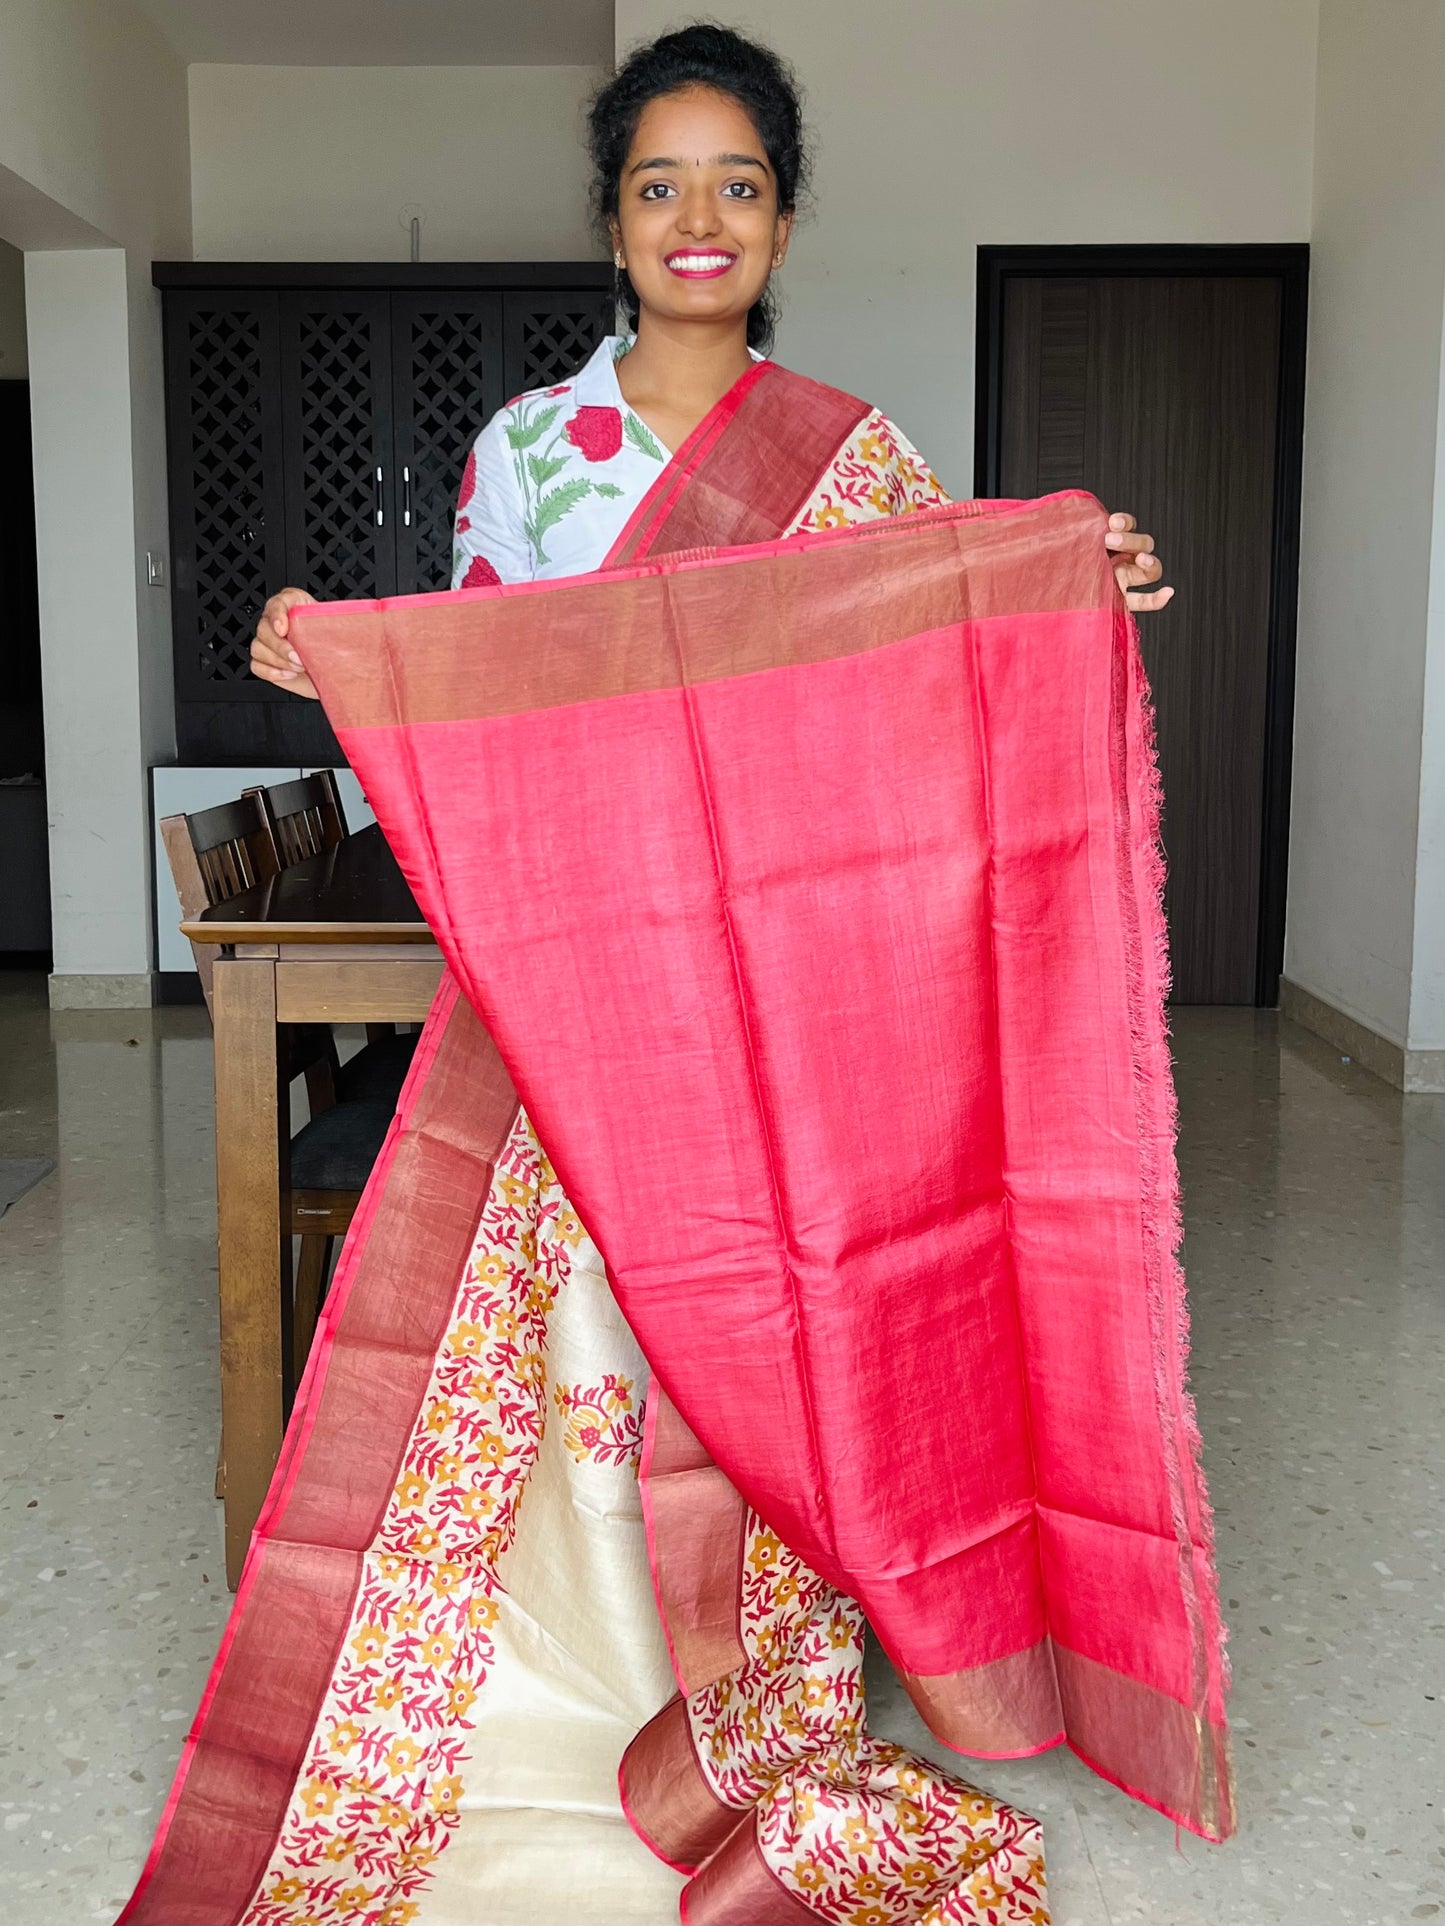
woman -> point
(494, 1639)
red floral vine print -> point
(597, 432)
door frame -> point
(1289, 261)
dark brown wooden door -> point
(1160, 393)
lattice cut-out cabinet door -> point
(547, 335)
(447, 358)
(223, 399)
(342, 494)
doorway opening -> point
(1169, 381)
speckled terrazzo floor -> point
(1316, 1243)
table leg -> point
(248, 1210)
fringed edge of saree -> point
(396, 1282)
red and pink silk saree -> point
(802, 891)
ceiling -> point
(388, 33)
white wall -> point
(318, 163)
(1361, 850)
(940, 124)
(13, 361)
(94, 184)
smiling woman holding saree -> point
(498, 1562)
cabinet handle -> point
(378, 484)
(406, 498)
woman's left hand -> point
(1134, 564)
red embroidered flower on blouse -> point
(565, 389)
(480, 574)
(469, 478)
(597, 432)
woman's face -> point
(698, 226)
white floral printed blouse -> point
(552, 479)
(555, 475)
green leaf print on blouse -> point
(593, 433)
(640, 438)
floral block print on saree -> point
(831, 975)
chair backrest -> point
(304, 816)
(213, 854)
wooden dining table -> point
(335, 939)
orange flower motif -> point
(445, 1794)
(483, 1388)
(489, 1269)
(881, 499)
(476, 1503)
(388, 1565)
(512, 1188)
(425, 1539)
(840, 1634)
(437, 1649)
(765, 1553)
(867, 1885)
(441, 1416)
(785, 1588)
(407, 1617)
(369, 1642)
(809, 1875)
(388, 1692)
(531, 1367)
(492, 1448)
(753, 1722)
(527, 1246)
(831, 517)
(481, 1612)
(911, 1818)
(868, 1916)
(411, 1490)
(873, 448)
(339, 1846)
(858, 1837)
(805, 1805)
(445, 1579)
(461, 1699)
(569, 1228)
(505, 1324)
(466, 1340)
(401, 1912)
(403, 1756)
(917, 1873)
(974, 1806)
(449, 1466)
(355, 1898)
(345, 1737)
(286, 1891)
(389, 1813)
(815, 1692)
(416, 1857)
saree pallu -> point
(809, 896)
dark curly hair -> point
(701, 55)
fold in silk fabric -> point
(830, 970)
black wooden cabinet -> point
(318, 420)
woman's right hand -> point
(272, 657)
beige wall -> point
(95, 183)
(327, 163)
(13, 362)
(1364, 862)
(940, 124)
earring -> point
(617, 262)
(777, 260)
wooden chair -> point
(217, 853)
(304, 817)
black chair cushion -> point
(336, 1150)
(377, 1071)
